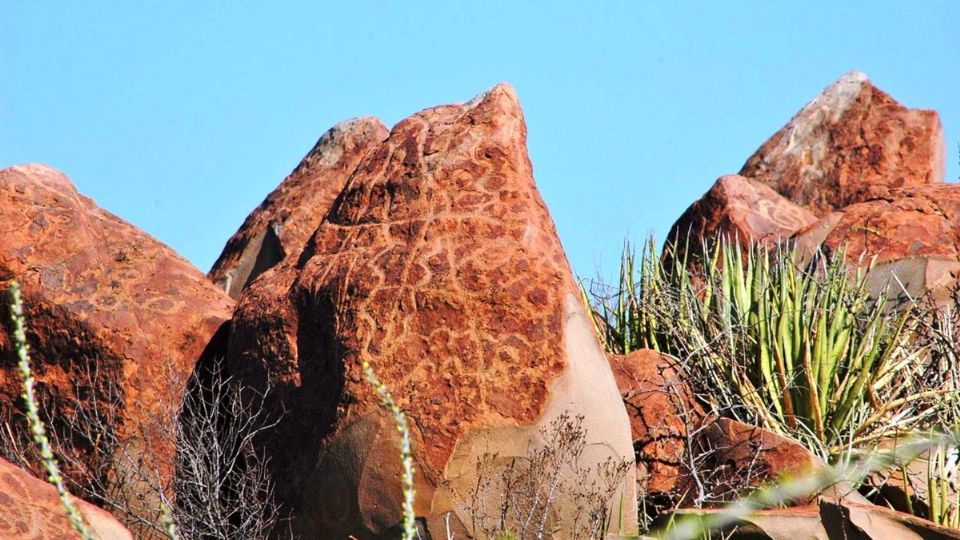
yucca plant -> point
(802, 349)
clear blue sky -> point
(181, 118)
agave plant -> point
(801, 348)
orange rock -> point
(663, 413)
(852, 143)
(912, 234)
(116, 322)
(30, 509)
(733, 456)
(440, 266)
(283, 223)
(740, 209)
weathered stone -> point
(740, 209)
(30, 509)
(663, 417)
(116, 321)
(732, 456)
(829, 519)
(850, 144)
(440, 266)
(283, 223)
(913, 237)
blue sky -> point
(180, 118)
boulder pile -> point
(426, 254)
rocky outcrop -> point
(30, 509)
(682, 452)
(741, 210)
(116, 321)
(283, 223)
(850, 144)
(440, 266)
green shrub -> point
(801, 349)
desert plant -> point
(221, 488)
(37, 427)
(516, 498)
(802, 349)
(406, 453)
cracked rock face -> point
(852, 143)
(663, 413)
(440, 266)
(283, 223)
(30, 509)
(116, 321)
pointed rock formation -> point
(30, 509)
(116, 321)
(440, 266)
(852, 143)
(740, 209)
(283, 223)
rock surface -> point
(440, 266)
(283, 223)
(663, 412)
(913, 234)
(741, 209)
(30, 509)
(733, 456)
(852, 143)
(829, 519)
(116, 321)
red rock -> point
(852, 143)
(283, 223)
(116, 322)
(913, 234)
(30, 509)
(733, 456)
(663, 413)
(439, 264)
(741, 209)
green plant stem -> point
(33, 415)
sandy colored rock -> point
(830, 519)
(30, 509)
(740, 209)
(116, 322)
(852, 143)
(283, 223)
(440, 266)
(663, 412)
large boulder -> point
(30, 509)
(740, 209)
(283, 223)
(851, 143)
(912, 236)
(116, 322)
(440, 266)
